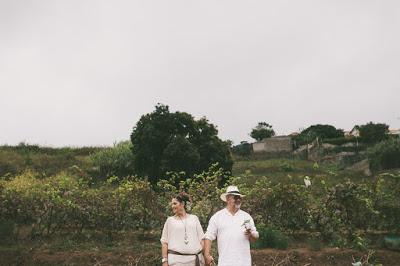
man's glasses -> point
(236, 197)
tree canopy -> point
(164, 141)
(319, 131)
(261, 131)
(373, 133)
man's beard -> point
(237, 206)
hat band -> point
(231, 192)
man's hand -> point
(250, 235)
(209, 259)
(165, 263)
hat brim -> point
(223, 195)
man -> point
(233, 229)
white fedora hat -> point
(231, 190)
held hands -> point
(209, 260)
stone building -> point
(274, 144)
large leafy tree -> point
(319, 131)
(164, 141)
(261, 131)
(373, 133)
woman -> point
(182, 235)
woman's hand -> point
(209, 259)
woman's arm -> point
(164, 244)
(164, 253)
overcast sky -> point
(77, 72)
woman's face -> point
(177, 207)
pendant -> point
(186, 240)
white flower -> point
(307, 181)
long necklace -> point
(185, 239)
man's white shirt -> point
(229, 230)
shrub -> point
(286, 167)
(343, 209)
(204, 189)
(116, 161)
(6, 229)
(373, 133)
(385, 155)
(318, 131)
(285, 206)
(242, 149)
(63, 202)
(271, 237)
(341, 140)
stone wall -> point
(274, 144)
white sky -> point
(78, 72)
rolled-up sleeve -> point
(254, 231)
(164, 235)
(212, 229)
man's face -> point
(234, 201)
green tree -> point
(164, 141)
(373, 133)
(242, 149)
(319, 131)
(261, 131)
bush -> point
(204, 189)
(6, 229)
(66, 203)
(385, 155)
(285, 206)
(242, 149)
(116, 161)
(344, 209)
(373, 133)
(271, 237)
(318, 131)
(341, 140)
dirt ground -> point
(301, 256)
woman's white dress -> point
(173, 234)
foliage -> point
(6, 229)
(242, 149)
(318, 131)
(65, 203)
(271, 237)
(164, 141)
(285, 206)
(385, 154)
(339, 211)
(262, 131)
(373, 133)
(204, 189)
(114, 161)
(14, 160)
(344, 209)
(180, 155)
(342, 140)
